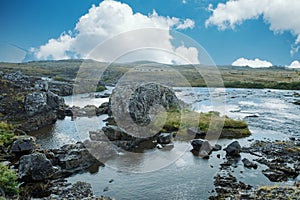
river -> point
(159, 174)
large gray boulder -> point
(147, 96)
(35, 167)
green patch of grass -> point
(100, 88)
(6, 134)
(8, 180)
(206, 122)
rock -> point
(105, 95)
(296, 102)
(35, 167)
(102, 109)
(147, 96)
(249, 164)
(227, 187)
(297, 181)
(201, 148)
(233, 149)
(164, 138)
(61, 88)
(23, 145)
(115, 133)
(217, 147)
(74, 157)
(78, 190)
(36, 103)
(41, 85)
(196, 132)
(275, 175)
(54, 101)
(101, 150)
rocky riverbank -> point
(282, 159)
(30, 103)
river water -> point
(176, 173)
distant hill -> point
(233, 76)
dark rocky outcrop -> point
(72, 158)
(35, 167)
(23, 145)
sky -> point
(257, 33)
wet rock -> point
(233, 149)
(105, 95)
(216, 147)
(103, 109)
(277, 192)
(201, 148)
(164, 138)
(227, 187)
(35, 167)
(116, 133)
(23, 145)
(73, 158)
(275, 175)
(147, 96)
(296, 102)
(247, 163)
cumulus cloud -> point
(110, 19)
(294, 65)
(256, 63)
(281, 15)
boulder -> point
(147, 96)
(102, 109)
(35, 103)
(247, 163)
(201, 148)
(35, 167)
(73, 157)
(233, 149)
(23, 145)
(164, 138)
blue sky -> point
(228, 31)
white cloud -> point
(256, 63)
(294, 65)
(281, 15)
(108, 20)
(184, 1)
